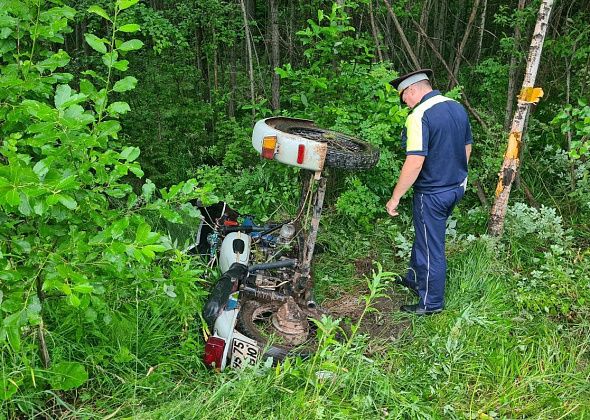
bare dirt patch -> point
(380, 325)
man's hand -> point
(410, 171)
(392, 206)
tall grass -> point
(483, 357)
(480, 357)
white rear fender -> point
(290, 149)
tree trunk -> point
(402, 35)
(459, 53)
(275, 102)
(453, 37)
(215, 64)
(450, 73)
(375, 31)
(423, 23)
(250, 65)
(482, 25)
(231, 106)
(291, 30)
(512, 74)
(526, 98)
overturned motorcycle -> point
(262, 307)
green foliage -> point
(556, 286)
(75, 242)
(575, 121)
(360, 203)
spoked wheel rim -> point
(255, 320)
(336, 141)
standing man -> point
(437, 139)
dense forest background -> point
(116, 114)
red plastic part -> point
(214, 352)
(300, 153)
(268, 153)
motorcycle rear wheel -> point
(254, 321)
(344, 151)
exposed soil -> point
(380, 325)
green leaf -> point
(67, 201)
(12, 325)
(99, 11)
(59, 59)
(125, 4)
(108, 128)
(34, 311)
(130, 27)
(67, 375)
(118, 108)
(96, 43)
(64, 98)
(74, 300)
(136, 169)
(109, 59)
(5, 33)
(170, 215)
(130, 153)
(131, 45)
(142, 233)
(84, 288)
(24, 207)
(12, 197)
(86, 87)
(118, 228)
(8, 387)
(169, 290)
(125, 84)
(41, 169)
(121, 65)
(62, 94)
(148, 189)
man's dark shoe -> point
(416, 309)
(403, 282)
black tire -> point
(250, 311)
(344, 151)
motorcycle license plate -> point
(244, 352)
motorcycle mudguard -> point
(235, 248)
(220, 293)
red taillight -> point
(300, 153)
(214, 352)
(269, 145)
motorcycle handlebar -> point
(272, 265)
(245, 229)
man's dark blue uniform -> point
(437, 129)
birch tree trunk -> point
(482, 25)
(275, 102)
(512, 72)
(528, 95)
(249, 51)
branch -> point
(452, 77)
(402, 35)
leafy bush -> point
(543, 224)
(75, 245)
(557, 286)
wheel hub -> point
(291, 323)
